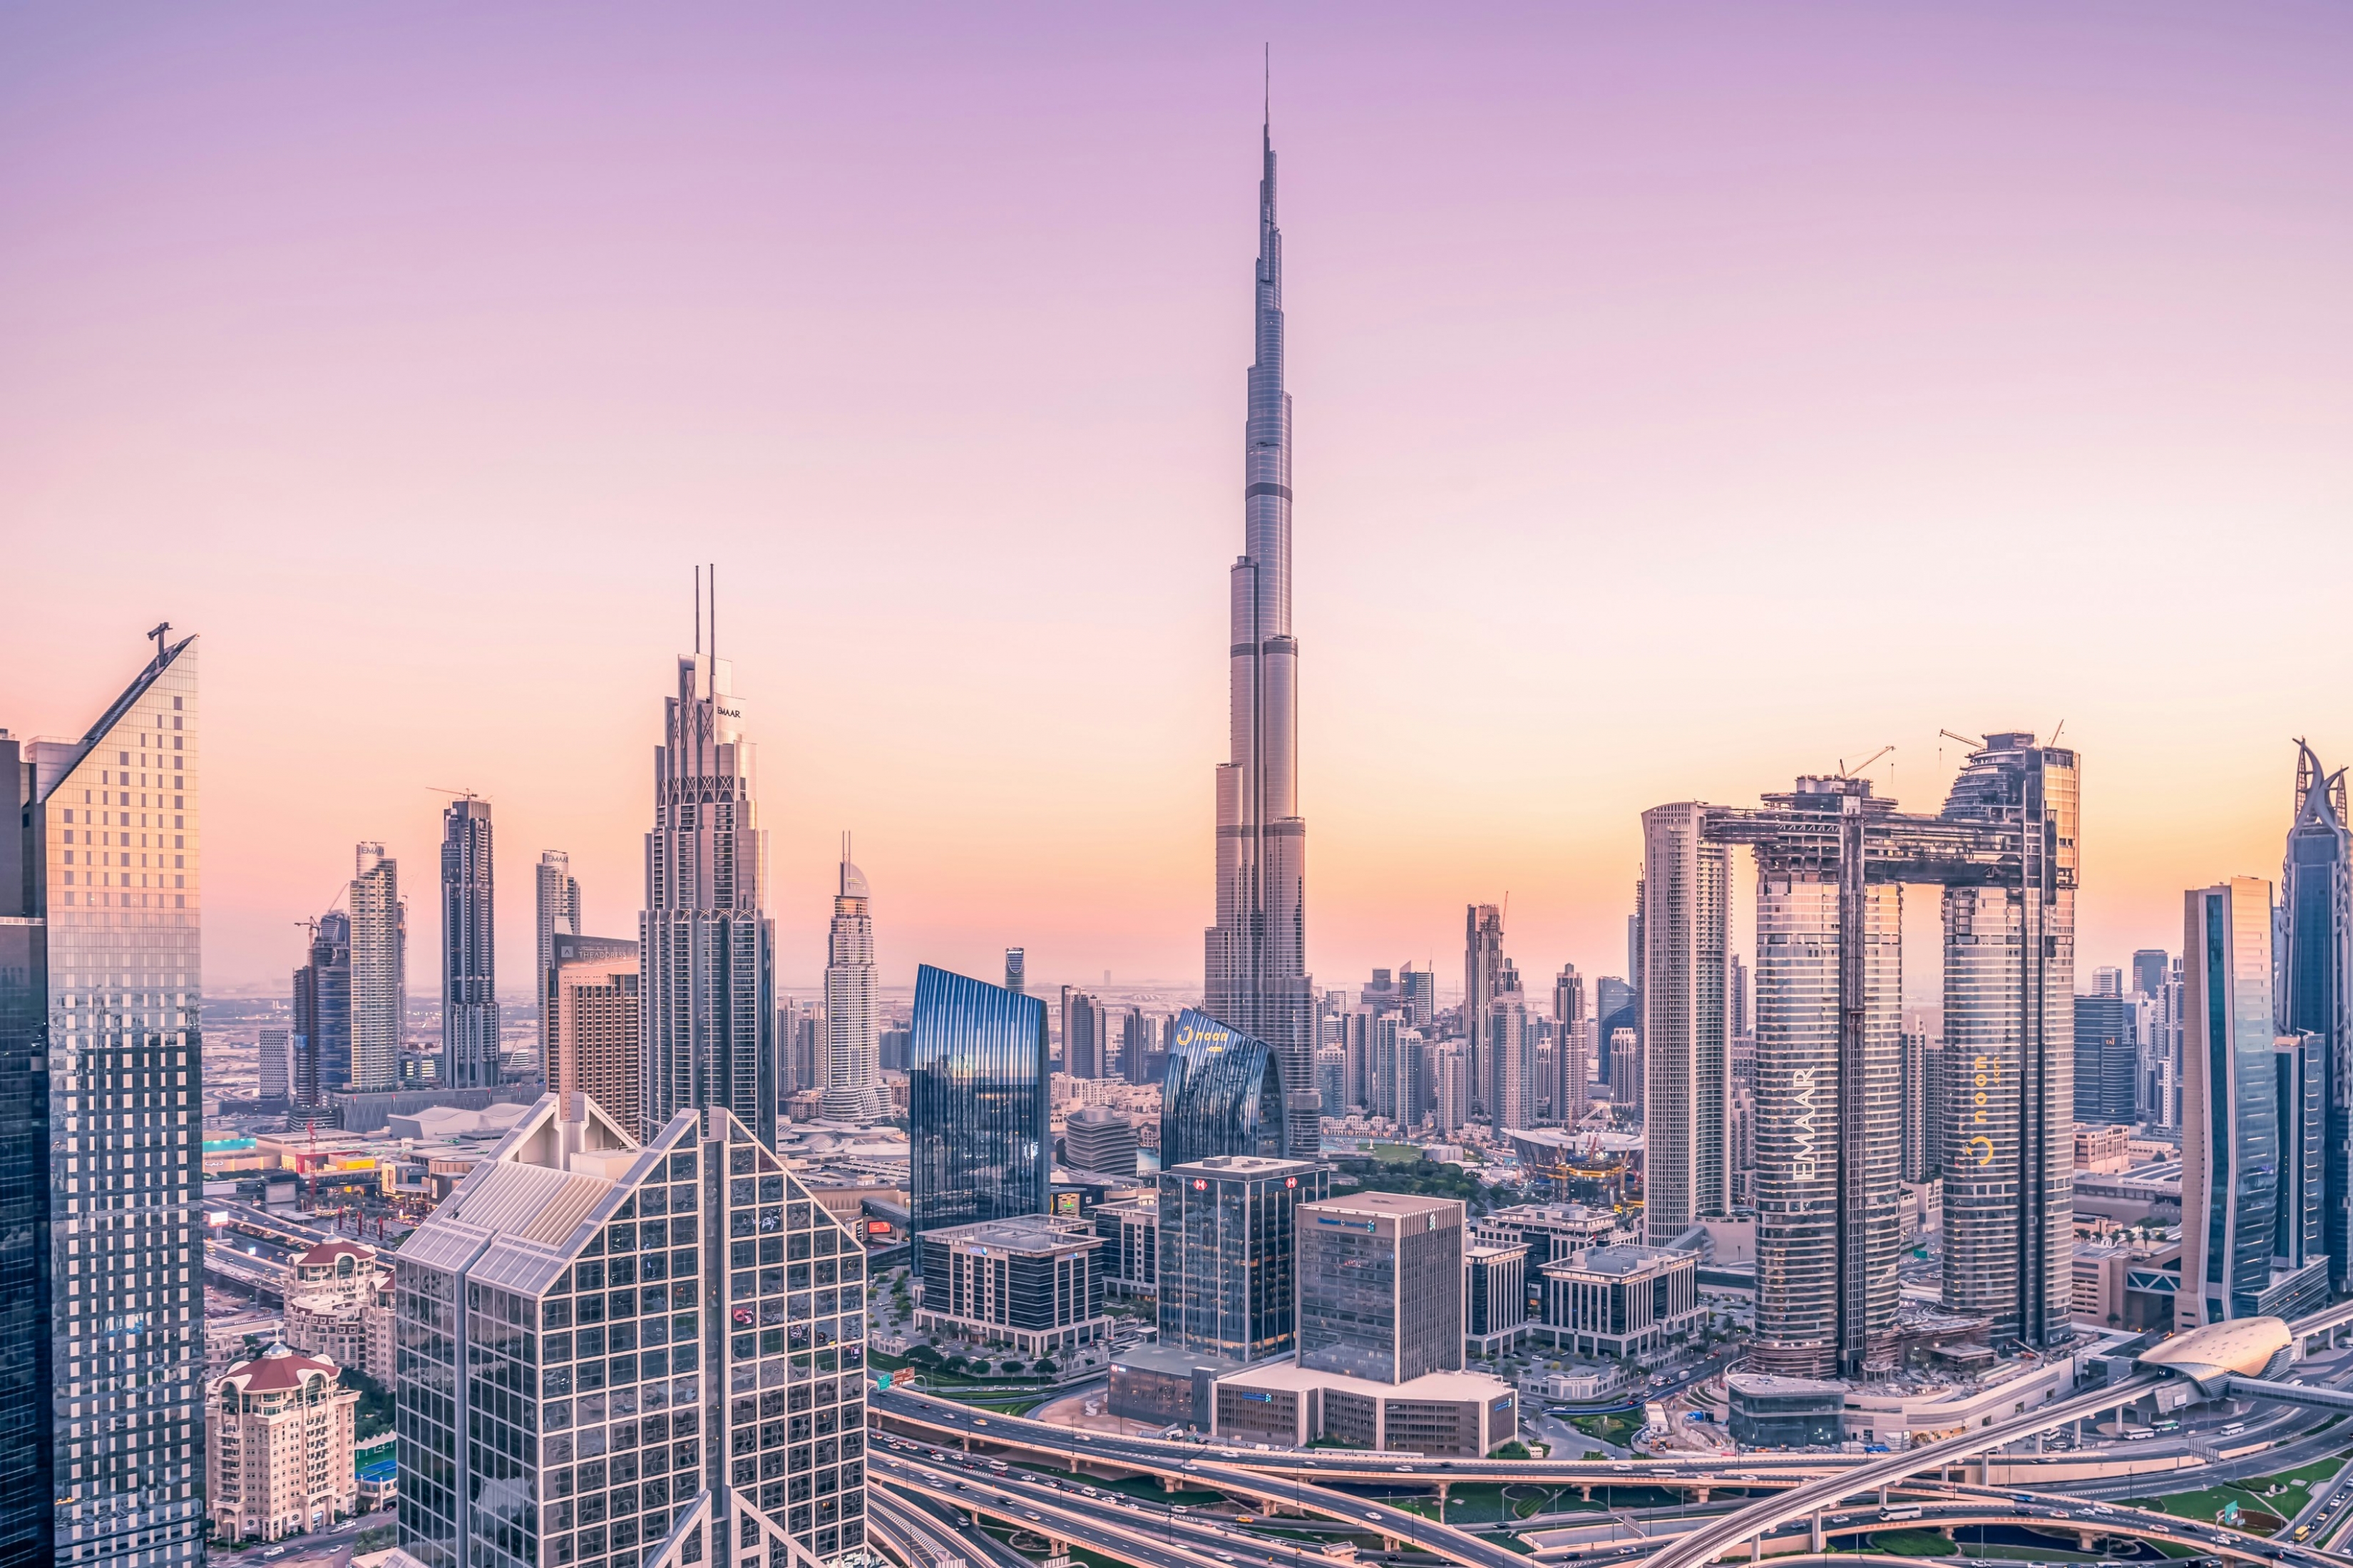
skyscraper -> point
(1573, 1048)
(1450, 1076)
(1223, 1095)
(853, 1015)
(556, 911)
(1511, 1056)
(2108, 1058)
(2150, 966)
(322, 1016)
(2315, 979)
(2249, 1231)
(1017, 970)
(1685, 898)
(1614, 1008)
(1082, 1034)
(469, 998)
(1255, 957)
(1381, 1286)
(1828, 1230)
(707, 941)
(375, 968)
(101, 1289)
(2009, 1015)
(584, 1369)
(1483, 961)
(599, 1023)
(1228, 1252)
(979, 1103)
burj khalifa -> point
(1256, 970)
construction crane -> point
(1847, 772)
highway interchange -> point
(937, 1459)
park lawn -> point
(1913, 1543)
(2205, 1503)
(1608, 1428)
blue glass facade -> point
(2315, 968)
(2230, 1139)
(979, 1102)
(1223, 1094)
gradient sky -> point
(1687, 396)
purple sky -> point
(1688, 397)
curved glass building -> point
(979, 1102)
(1223, 1095)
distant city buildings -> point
(853, 1019)
(1082, 1034)
(1572, 1048)
(1017, 970)
(471, 1056)
(556, 912)
(323, 1015)
(378, 970)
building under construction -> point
(1832, 862)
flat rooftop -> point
(1384, 1205)
(1462, 1387)
(1033, 1233)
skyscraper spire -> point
(1256, 979)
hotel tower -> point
(1256, 956)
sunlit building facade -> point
(853, 1012)
(979, 1103)
(707, 941)
(102, 984)
(375, 968)
(1255, 956)
(1686, 1073)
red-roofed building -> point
(279, 1441)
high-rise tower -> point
(1256, 956)
(376, 1002)
(853, 1050)
(556, 912)
(707, 943)
(2315, 979)
(102, 988)
(470, 1000)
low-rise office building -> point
(1447, 1415)
(1632, 1301)
(1770, 1412)
(1549, 1231)
(1031, 1282)
(1494, 1298)
(1131, 1236)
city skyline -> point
(1624, 374)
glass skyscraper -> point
(707, 943)
(1223, 1095)
(101, 1289)
(376, 965)
(1228, 1254)
(2315, 980)
(470, 1001)
(2230, 1136)
(609, 1353)
(323, 1014)
(979, 1102)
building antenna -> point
(1267, 112)
(714, 609)
(698, 610)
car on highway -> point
(1030, 1516)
